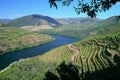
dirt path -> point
(113, 53)
(101, 44)
(76, 52)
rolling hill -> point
(84, 30)
(33, 20)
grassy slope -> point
(14, 38)
(94, 59)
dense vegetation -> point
(12, 39)
(91, 8)
(98, 59)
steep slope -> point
(110, 22)
(33, 20)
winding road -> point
(76, 52)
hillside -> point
(98, 59)
(77, 21)
(33, 20)
(83, 30)
(12, 39)
(107, 23)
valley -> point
(97, 53)
(34, 51)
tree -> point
(90, 7)
(51, 76)
(64, 72)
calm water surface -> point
(7, 59)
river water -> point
(7, 59)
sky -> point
(10, 9)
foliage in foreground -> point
(91, 8)
(65, 72)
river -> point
(7, 59)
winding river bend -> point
(7, 59)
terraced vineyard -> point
(12, 39)
(98, 59)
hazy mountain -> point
(5, 20)
(47, 22)
(34, 20)
(77, 21)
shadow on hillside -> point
(72, 72)
(111, 73)
(116, 59)
(64, 72)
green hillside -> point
(84, 30)
(107, 23)
(12, 39)
(33, 20)
(98, 58)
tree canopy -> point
(90, 7)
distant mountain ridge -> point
(36, 22)
(5, 20)
(40, 20)
(77, 21)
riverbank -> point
(14, 39)
(7, 59)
